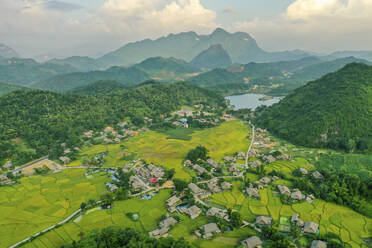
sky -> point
(93, 27)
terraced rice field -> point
(351, 226)
(156, 147)
(42, 201)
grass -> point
(42, 201)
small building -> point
(213, 163)
(193, 211)
(255, 164)
(207, 231)
(173, 201)
(311, 227)
(265, 180)
(252, 192)
(303, 171)
(297, 195)
(187, 163)
(228, 159)
(65, 160)
(226, 185)
(8, 164)
(199, 170)
(195, 189)
(317, 175)
(263, 220)
(318, 244)
(310, 198)
(284, 190)
(252, 242)
(219, 213)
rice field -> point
(159, 148)
(38, 202)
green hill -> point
(97, 88)
(66, 82)
(334, 111)
(27, 71)
(7, 88)
(80, 63)
(214, 57)
(166, 69)
(44, 120)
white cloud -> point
(36, 25)
(321, 25)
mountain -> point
(44, 120)
(334, 111)
(27, 71)
(98, 88)
(166, 68)
(66, 82)
(293, 65)
(214, 57)
(359, 54)
(7, 88)
(7, 52)
(240, 46)
(83, 64)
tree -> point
(200, 152)
(179, 185)
(236, 219)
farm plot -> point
(42, 201)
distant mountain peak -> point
(7, 52)
(214, 57)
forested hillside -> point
(27, 71)
(97, 88)
(66, 82)
(334, 111)
(43, 120)
(7, 88)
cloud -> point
(230, 10)
(61, 6)
(321, 25)
(39, 25)
(158, 16)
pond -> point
(251, 101)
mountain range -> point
(241, 47)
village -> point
(146, 179)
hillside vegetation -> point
(44, 120)
(334, 111)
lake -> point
(251, 101)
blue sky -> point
(92, 27)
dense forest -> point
(113, 237)
(334, 111)
(43, 120)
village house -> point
(295, 219)
(195, 189)
(213, 185)
(207, 231)
(311, 227)
(318, 244)
(7, 165)
(199, 170)
(265, 180)
(136, 183)
(164, 227)
(240, 155)
(253, 153)
(156, 171)
(228, 159)
(284, 157)
(213, 163)
(303, 171)
(255, 164)
(192, 211)
(317, 175)
(234, 170)
(226, 186)
(187, 163)
(4, 180)
(297, 195)
(252, 192)
(310, 198)
(269, 159)
(219, 213)
(252, 242)
(112, 187)
(65, 160)
(263, 220)
(88, 134)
